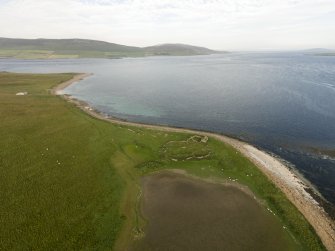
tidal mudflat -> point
(185, 213)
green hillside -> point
(84, 48)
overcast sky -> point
(218, 24)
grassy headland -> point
(70, 181)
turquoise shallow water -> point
(281, 102)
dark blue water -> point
(281, 102)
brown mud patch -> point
(184, 213)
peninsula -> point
(71, 179)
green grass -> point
(34, 54)
(69, 181)
(46, 54)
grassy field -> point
(47, 54)
(69, 181)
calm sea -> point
(281, 102)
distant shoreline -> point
(69, 57)
(292, 186)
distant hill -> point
(179, 49)
(84, 48)
(318, 50)
(330, 54)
